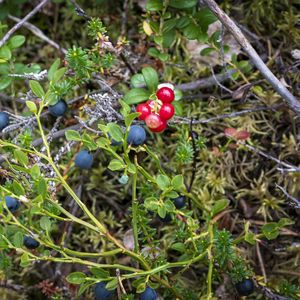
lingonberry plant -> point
(176, 230)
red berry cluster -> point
(157, 112)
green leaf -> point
(76, 278)
(191, 31)
(5, 82)
(163, 182)
(153, 52)
(141, 287)
(115, 132)
(154, 5)
(131, 168)
(31, 106)
(115, 165)
(88, 142)
(24, 262)
(138, 81)
(73, 135)
(53, 69)
(59, 74)
(178, 182)
(16, 41)
(45, 223)
(163, 56)
(5, 53)
(135, 96)
(99, 273)
(183, 3)
(112, 284)
(162, 212)
(21, 157)
(205, 17)
(130, 118)
(270, 230)
(151, 203)
(42, 187)
(169, 206)
(219, 206)
(36, 88)
(103, 142)
(285, 222)
(178, 94)
(125, 110)
(180, 247)
(18, 239)
(83, 287)
(169, 24)
(151, 78)
(35, 172)
(18, 189)
(206, 51)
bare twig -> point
(21, 23)
(206, 82)
(180, 120)
(290, 99)
(278, 161)
(40, 34)
(295, 202)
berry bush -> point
(125, 176)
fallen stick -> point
(290, 99)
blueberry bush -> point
(143, 155)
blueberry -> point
(136, 135)
(179, 202)
(12, 204)
(148, 294)
(84, 159)
(101, 293)
(245, 287)
(114, 142)
(4, 120)
(58, 109)
(30, 243)
(166, 219)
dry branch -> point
(20, 24)
(290, 99)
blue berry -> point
(12, 204)
(114, 142)
(166, 219)
(30, 242)
(136, 135)
(4, 120)
(84, 159)
(102, 293)
(179, 202)
(245, 287)
(58, 109)
(148, 294)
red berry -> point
(144, 110)
(161, 127)
(167, 111)
(165, 94)
(155, 123)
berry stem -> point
(135, 210)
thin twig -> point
(206, 82)
(278, 161)
(21, 23)
(290, 99)
(179, 120)
(39, 33)
(296, 202)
